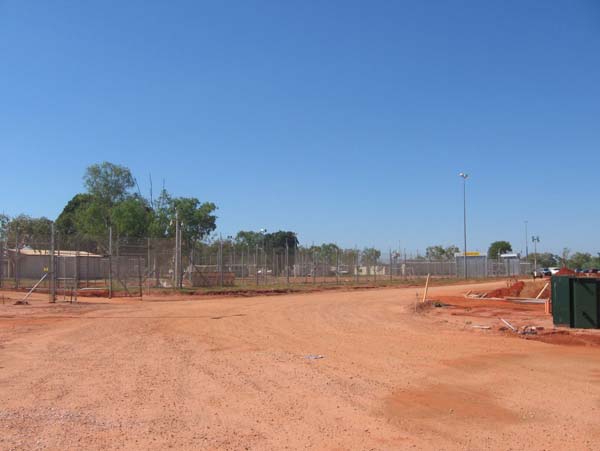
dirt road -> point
(233, 373)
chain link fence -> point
(111, 266)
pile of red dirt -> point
(514, 290)
(564, 271)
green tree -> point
(161, 219)
(93, 219)
(131, 217)
(66, 223)
(582, 260)
(279, 239)
(27, 231)
(370, 256)
(108, 182)
(499, 247)
(439, 252)
(250, 238)
(275, 240)
(564, 257)
(197, 219)
(543, 260)
(4, 220)
(435, 252)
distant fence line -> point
(131, 266)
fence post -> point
(256, 263)
(287, 262)
(140, 277)
(110, 287)
(51, 270)
(242, 264)
(375, 271)
(337, 266)
(356, 268)
(176, 262)
(1, 262)
(221, 261)
(273, 267)
(17, 255)
(77, 270)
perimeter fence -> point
(110, 265)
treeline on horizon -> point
(113, 200)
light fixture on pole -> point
(464, 176)
(526, 242)
(535, 240)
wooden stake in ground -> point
(426, 288)
(541, 292)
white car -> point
(553, 270)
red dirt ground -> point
(232, 373)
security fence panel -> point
(114, 265)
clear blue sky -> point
(346, 121)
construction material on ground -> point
(472, 295)
(542, 292)
(525, 300)
(314, 356)
(529, 330)
(24, 300)
(426, 288)
(513, 328)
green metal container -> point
(585, 303)
(562, 305)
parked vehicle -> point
(553, 270)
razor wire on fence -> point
(111, 265)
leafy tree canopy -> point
(28, 231)
(108, 182)
(499, 247)
(4, 220)
(543, 260)
(439, 252)
(197, 219)
(275, 240)
(582, 260)
(66, 223)
(131, 217)
(370, 256)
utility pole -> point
(526, 243)
(51, 266)
(1, 260)
(176, 263)
(109, 261)
(287, 261)
(535, 240)
(337, 265)
(17, 258)
(256, 263)
(221, 260)
(464, 176)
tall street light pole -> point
(536, 240)
(526, 243)
(464, 176)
